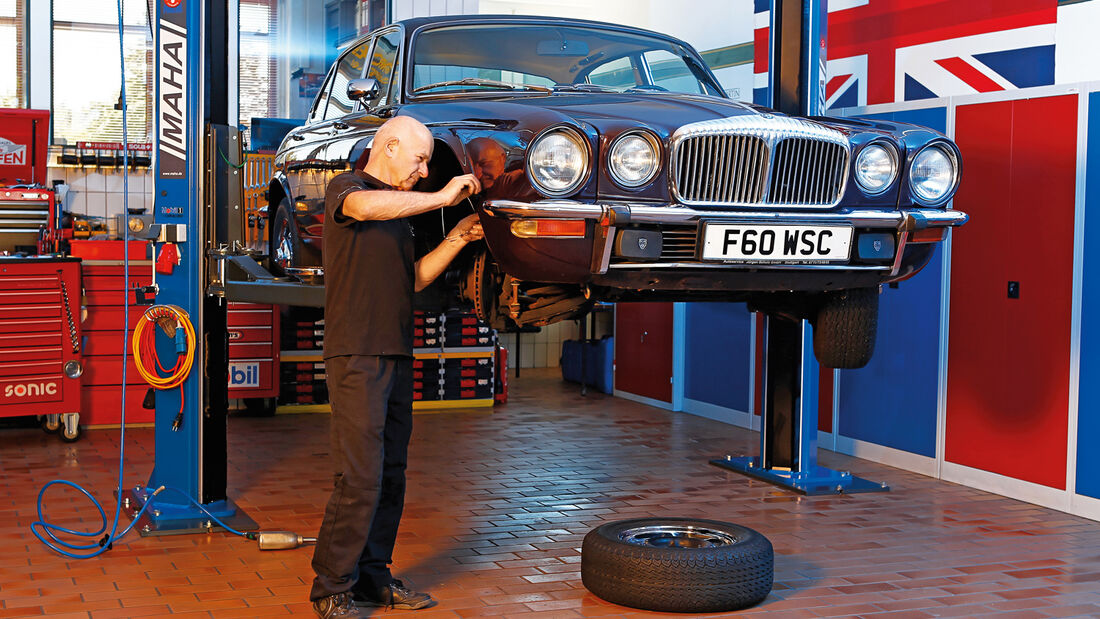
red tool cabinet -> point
(253, 351)
(106, 298)
(40, 337)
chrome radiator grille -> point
(759, 160)
(722, 168)
(678, 244)
(807, 172)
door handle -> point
(339, 126)
(644, 333)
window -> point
(319, 104)
(382, 61)
(258, 65)
(373, 14)
(12, 28)
(618, 74)
(671, 73)
(351, 67)
(543, 55)
(86, 73)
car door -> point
(329, 121)
(351, 139)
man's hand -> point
(435, 262)
(468, 230)
(459, 188)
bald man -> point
(370, 276)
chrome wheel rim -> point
(283, 248)
(677, 536)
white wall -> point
(405, 9)
(99, 192)
(1077, 49)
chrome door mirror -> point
(365, 90)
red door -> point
(643, 349)
(1011, 289)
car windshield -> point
(538, 57)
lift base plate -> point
(818, 480)
(176, 519)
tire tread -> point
(677, 579)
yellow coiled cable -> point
(143, 344)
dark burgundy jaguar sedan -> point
(614, 167)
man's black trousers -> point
(371, 398)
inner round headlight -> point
(558, 162)
(933, 174)
(633, 159)
(876, 167)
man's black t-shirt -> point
(368, 276)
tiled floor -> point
(498, 505)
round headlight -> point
(932, 176)
(633, 159)
(876, 168)
(558, 162)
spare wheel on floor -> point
(677, 564)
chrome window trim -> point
(769, 128)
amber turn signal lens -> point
(548, 228)
(927, 235)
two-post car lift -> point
(199, 212)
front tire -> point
(845, 328)
(677, 565)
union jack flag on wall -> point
(882, 51)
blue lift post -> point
(788, 430)
(190, 77)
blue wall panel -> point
(893, 401)
(1088, 416)
(717, 354)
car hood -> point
(663, 112)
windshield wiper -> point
(583, 87)
(477, 81)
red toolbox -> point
(253, 350)
(26, 212)
(41, 358)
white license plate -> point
(784, 244)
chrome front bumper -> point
(618, 214)
(612, 215)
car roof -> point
(417, 22)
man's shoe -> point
(395, 595)
(336, 606)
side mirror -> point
(365, 90)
